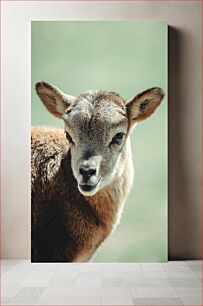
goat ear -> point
(144, 104)
(54, 100)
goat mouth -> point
(88, 187)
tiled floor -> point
(172, 283)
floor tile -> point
(155, 274)
(193, 262)
(122, 274)
(21, 301)
(122, 267)
(61, 282)
(4, 301)
(88, 282)
(189, 291)
(91, 267)
(152, 267)
(90, 274)
(118, 301)
(178, 274)
(198, 274)
(71, 267)
(6, 268)
(73, 292)
(11, 261)
(146, 282)
(30, 292)
(111, 282)
(116, 292)
(157, 301)
(185, 282)
(9, 292)
(69, 301)
(37, 279)
(89, 279)
(197, 268)
(46, 267)
(67, 274)
(192, 301)
(177, 268)
(169, 283)
(16, 274)
(175, 263)
(154, 292)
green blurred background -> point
(125, 57)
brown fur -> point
(66, 226)
(68, 223)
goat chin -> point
(88, 193)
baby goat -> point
(81, 178)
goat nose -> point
(87, 172)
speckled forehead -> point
(103, 108)
(108, 111)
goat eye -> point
(69, 138)
(117, 139)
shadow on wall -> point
(183, 198)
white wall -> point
(184, 112)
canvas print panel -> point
(99, 141)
